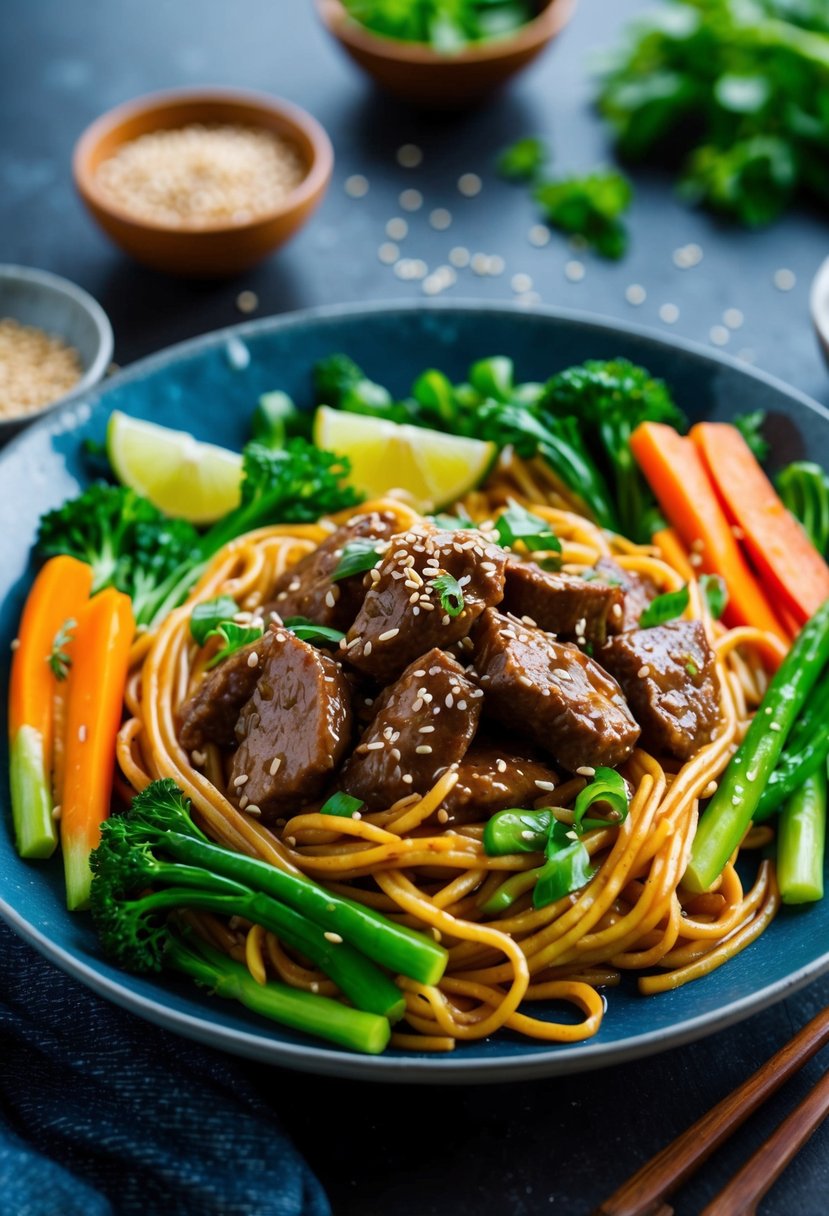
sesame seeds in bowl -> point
(203, 183)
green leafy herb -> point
(357, 557)
(715, 594)
(341, 804)
(733, 89)
(606, 786)
(523, 160)
(309, 632)
(208, 615)
(446, 25)
(750, 427)
(516, 523)
(59, 659)
(664, 608)
(450, 594)
(234, 637)
(591, 207)
(804, 488)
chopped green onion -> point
(567, 868)
(357, 557)
(607, 786)
(516, 523)
(309, 632)
(664, 608)
(58, 659)
(341, 804)
(450, 593)
(715, 594)
(208, 615)
(516, 831)
(691, 668)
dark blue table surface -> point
(551, 1146)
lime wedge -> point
(180, 475)
(432, 469)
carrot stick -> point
(96, 697)
(673, 552)
(57, 596)
(794, 571)
(677, 476)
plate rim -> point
(559, 1059)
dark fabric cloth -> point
(103, 1114)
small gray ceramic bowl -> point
(819, 305)
(35, 297)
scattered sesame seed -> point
(356, 186)
(397, 228)
(687, 256)
(521, 283)
(586, 770)
(635, 294)
(469, 184)
(574, 271)
(539, 235)
(751, 774)
(747, 355)
(253, 809)
(442, 816)
(407, 778)
(562, 673)
(501, 765)
(247, 301)
(314, 986)
(275, 763)
(290, 840)
(243, 801)
(388, 253)
(409, 156)
(423, 749)
(253, 659)
(375, 746)
(411, 200)
(459, 257)
(198, 758)
(784, 280)
(356, 815)
(240, 780)
(440, 219)
(56, 811)
(388, 635)
(332, 937)
(82, 734)
(719, 335)
(548, 786)
(643, 672)
(669, 313)
(695, 559)
(367, 649)
(733, 318)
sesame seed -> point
(397, 228)
(719, 335)
(733, 318)
(459, 257)
(440, 219)
(423, 749)
(253, 659)
(469, 184)
(501, 765)
(82, 734)
(643, 672)
(240, 781)
(56, 811)
(375, 746)
(247, 301)
(411, 200)
(695, 559)
(635, 294)
(243, 801)
(332, 937)
(407, 778)
(562, 673)
(367, 649)
(314, 986)
(418, 675)
(253, 809)
(388, 635)
(539, 235)
(669, 313)
(198, 758)
(442, 816)
(545, 785)
(356, 186)
(586, 770)
(574, 271)
(784, 280)
(356, 815)
(737, 532)
(409, 156)
(275, 763)
(290, 840)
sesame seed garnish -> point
(784, 280)
(423, 749)
(635, 294)
(253, 659)
(586, 771)
(545, 785)
(375, 746)
(501, 765)
(397, 228)
(82, 734)
(417, 705)
(425, 730)
(14, 644)
(367, 649)
(198, 758)
(411, 200)
(356, 186)
(332, 937)
(290, 840)
(275, 763)
(409, 156)
(562, 673)
(449, 700)
(240, 781)
(356, 815)
(56, 811)
(526, 681)
(469, 184)
(253, 809)
(643, 672)
(751, 774)
(407, 778)
(243, 801)
(669, 313)
(387, 636)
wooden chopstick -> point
(644, 1192)
(742, 1194)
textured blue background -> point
(523, 1149)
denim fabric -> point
(102, 1114)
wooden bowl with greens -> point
(444, 56)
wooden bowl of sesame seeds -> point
(203, 183)
(433, 79)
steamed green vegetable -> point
(804, 754)
(801, 842)
(590, 206)
(804, 488)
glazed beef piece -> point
(294, 730)
(492, 778)
(669, 678)
(638, 593)
(552, 692)
(422, 724)
(402, 615)
(308, 589)
(564, 604)
(211, 714)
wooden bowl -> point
(418, 74)
(220, 249)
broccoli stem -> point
(734, 805)
(356, 976)
(317, 1015)
(801, 842)
(31, 796)
(397, 947)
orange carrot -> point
(794, 571)
(675, 472)
(96, 697)
(673, 552)
(57, 596)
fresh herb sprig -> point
(446, 25)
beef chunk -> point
(492, 778)
(668, 676)
(422, 724)
(294, 730)
(552, 692)
(560, 603)
(211, 714)
(308, 589)
(638, 593)
(402, 615)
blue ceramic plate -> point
(210, 386)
